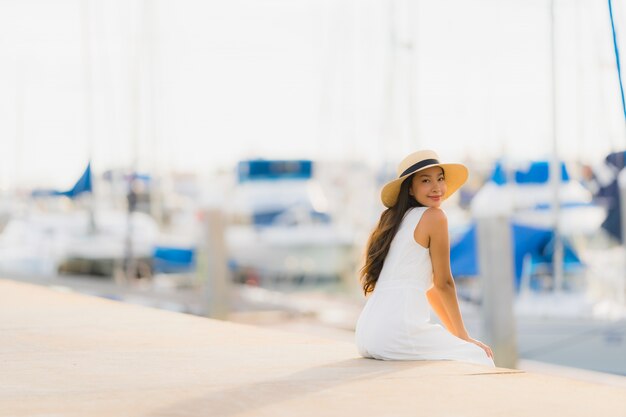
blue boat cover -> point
(173, 259)
(538, 172)
(260, 169)
(537, 242)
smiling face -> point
(428, 187)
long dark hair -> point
(380, 240)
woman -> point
(407, 267)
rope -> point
(617, 61)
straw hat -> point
(455, 175)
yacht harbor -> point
(190, 189)
(282, 255)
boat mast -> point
(149, 44)
(387, 131)
(555, 164)
(19, 124)
(621, 194)
(88, 101)
(137, 20)
(411, 49)
(400, 124)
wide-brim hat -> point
(455, 175)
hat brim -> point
(455, 177)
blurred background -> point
(224, 159)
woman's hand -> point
(481, 345)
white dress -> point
(395, 321)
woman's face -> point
(428, 187)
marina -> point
(193, 189)
(277, 243)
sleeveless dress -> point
(395, 321)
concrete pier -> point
(64, 354)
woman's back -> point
(407, 259)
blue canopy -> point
(260, 169)
(536, 242)
(168, 259)
(538, 172)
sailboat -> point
(48, 242)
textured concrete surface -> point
(64, 354)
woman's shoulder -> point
(435, 218)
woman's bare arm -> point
(437, 305)
(443, 284)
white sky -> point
(197, 85)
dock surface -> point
(65, 354)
